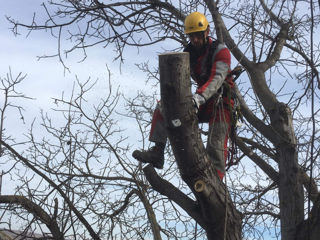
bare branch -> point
(37, 211)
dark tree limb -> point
(311, 187)
(263, 149)
(125, 204)
(37, 211)
(279, 44)
(257, 123)
(150, 213)
(170, 191)
(272, 16)
(257, 160)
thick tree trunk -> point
(195, 167)
(290, 185)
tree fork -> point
(195, 167)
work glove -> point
(198, 100)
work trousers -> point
(218, 117)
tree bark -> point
(220, 218)
(290, 185)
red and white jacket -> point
(209, 67)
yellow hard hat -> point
(195, 22)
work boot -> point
(154, 155)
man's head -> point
(196, 26)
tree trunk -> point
(290, 185)
(221, 219)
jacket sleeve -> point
(219, 71)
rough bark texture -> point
(290, 185)
(191, 157)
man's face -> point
(198, 39)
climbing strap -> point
(235, 113)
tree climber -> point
(210, 69)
